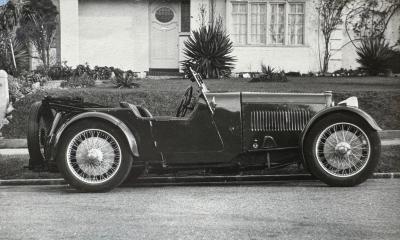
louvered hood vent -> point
(291, 120)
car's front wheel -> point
(342, 150)
(94, 156)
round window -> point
(164, 14)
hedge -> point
(384, 107)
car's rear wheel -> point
(94, 156)
(39, 125)
(342, 150)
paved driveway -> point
(274, 210)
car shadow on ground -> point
(67, 189)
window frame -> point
(304, 24)
(247, 21)
(268, 43)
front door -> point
(164, 20)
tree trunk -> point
(48, 57)
(43, 57)
(13, 55)
(326, 57)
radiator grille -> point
(291, 120)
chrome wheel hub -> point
(343, 149)
(95, 156)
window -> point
(277, 26)
(258, 23)
(185, 16)
(265, 22)
(239, 18)
(296, 24)
(164, 15)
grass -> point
(294, 84)
(12, 167)
(378, 96)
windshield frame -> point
(203, 88)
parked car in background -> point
(95, 147)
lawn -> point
(295, 84)
(378, 96)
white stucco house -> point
(148, 35)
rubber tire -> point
(37, 111)
(126, 156)
(319, 172)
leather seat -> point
(139, 111)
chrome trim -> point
(281, 120)
(311, 98)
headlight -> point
(349, 102)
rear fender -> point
(106, 117)
(342, 109)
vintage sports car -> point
(95, 147)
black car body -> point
(235, 130)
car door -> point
(190, 135)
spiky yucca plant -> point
(374, 55)
(208, 50)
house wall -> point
(114, 32)
(299, 58)
(69, 31)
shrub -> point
(374, 55)
(270, 75)
(79, 81)
(32, 77)
(394, 62)
(343, 72)
(293, 74)
(60, 71)
(124, 79)
(83, 70)
(18, 88)
(208, 50)
(102, 73)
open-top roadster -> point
(95, 147)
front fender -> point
(109, 118)
(352, 110)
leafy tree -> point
(331, 14)
(11, 51)
(38, 26)
(369, 19)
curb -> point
(194, 180)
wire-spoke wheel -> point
(94, 156)
(342, 150)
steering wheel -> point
(185, 102)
